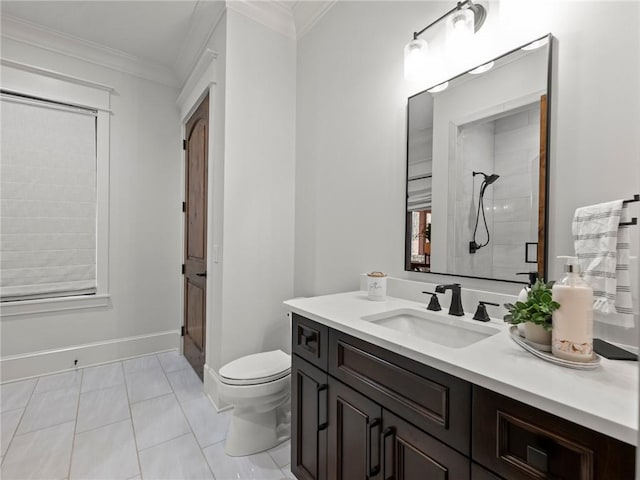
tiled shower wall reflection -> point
(510, 147)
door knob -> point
(203, 274)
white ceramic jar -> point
(377, 286)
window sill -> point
(48, 305)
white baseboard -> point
(16, 367)
(211, 382)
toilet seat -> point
(256, 369)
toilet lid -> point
(257, 368)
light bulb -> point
(460, 29)
(416, 55)
(536, 44)
(482, 68)
(439, 88)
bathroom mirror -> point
(477, 156)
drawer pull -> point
(323, 404)
(537, 458)
(307, 338)
(389, 464)
(374, 469)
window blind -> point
(420, 166)
(48, 197)
(419, 192)
(419, 186)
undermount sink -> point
(451, 332)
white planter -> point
(537, 334)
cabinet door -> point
(309, 421)
(354, 435)
(479, 473)
(411, 454)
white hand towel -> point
(595, 236)
(623, 315)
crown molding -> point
(274, 15)
(307, 14)
(38, 36)
(204, 21)
(201, 77)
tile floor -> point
(144, 418)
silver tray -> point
(590, 365)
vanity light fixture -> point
(416, 59)
(482, 68)
(463, 21)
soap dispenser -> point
(572, 333)
(524, 293)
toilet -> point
(259, 388)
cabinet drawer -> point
(309, 340)
(432, 400)
(518, 441)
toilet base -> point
(252, 432)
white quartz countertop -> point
(604, 399)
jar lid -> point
(376, 274)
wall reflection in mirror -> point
(476, 170)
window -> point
(48, 195)
(54, 191)
(421, 240)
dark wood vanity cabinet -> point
(378, 413)
(518, 441)
(360, 412)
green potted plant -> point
(535, 313)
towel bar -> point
(634, 220)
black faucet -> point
(456, 299)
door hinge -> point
(183, 268)
(182, 331)
(184, 206)
(184, 144)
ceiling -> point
(159, 32)
(153, 31)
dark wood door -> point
(195, 250)
(355, 424)
(309, 414)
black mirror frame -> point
(543, 202)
